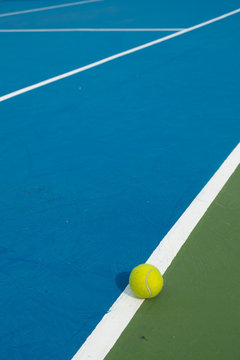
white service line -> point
(107, 332)
(113, 57)
(87, 30)
(48, 8)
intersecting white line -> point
(90, 30)
(48, 8)
(113, 57)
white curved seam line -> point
(48, 8)
(113, 57)
(149, 290)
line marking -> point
(88, 30)
(48, 8)
(107, 332)
(113, 57)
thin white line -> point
(48, 8)
(116, 56)
(87, 30)
(102, 339)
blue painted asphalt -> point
(116, 13)
(96, 168)
(30, 58)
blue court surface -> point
(98, 166)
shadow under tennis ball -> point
(122, 280)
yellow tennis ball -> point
(145, 281)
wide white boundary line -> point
(48, 8)
(107, 332)
(88, 30)
(174, 240)
(116, 56)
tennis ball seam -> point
(149, 290)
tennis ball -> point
(145, 281)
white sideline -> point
(107, 332)
(48, 8)
(113, 57)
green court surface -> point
(197, 315)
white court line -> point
(107, 332)
(48, 8)
(87, 30)
(113, 57)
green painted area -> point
(197, 315)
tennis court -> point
(114, 117)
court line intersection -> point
(113, 57)
(119, 315)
